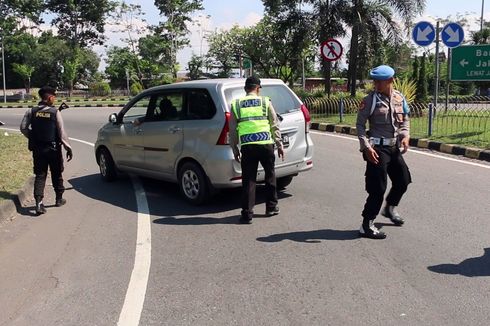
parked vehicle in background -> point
(179, 133)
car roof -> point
(219, 82)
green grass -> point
(15, 163)
(461, 128)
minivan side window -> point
(200, 105)
(168, 107)
(137, 110)
(280, 95)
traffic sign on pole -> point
(331, 50)
(423, 33)
(470, 63)
(452, 35)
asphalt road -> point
(306, 266)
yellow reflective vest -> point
(252, 122)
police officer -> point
(43, 126)
(254, 125)
(388, 114)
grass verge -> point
(15, 163)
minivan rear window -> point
(281, 97)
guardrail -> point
(457, 122)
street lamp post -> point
(3, 73)
(481, 20)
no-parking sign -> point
(331, 50)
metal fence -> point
(464, 121)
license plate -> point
(285, 140)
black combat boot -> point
(40, 209)
(369, 230)
(60, 201)
(392, 214)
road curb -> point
(470, 152)
(9, 207)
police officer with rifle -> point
(43, 126)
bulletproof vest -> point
(43, 125)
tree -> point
(174, 29)
(81, 22)
(422, 81)
(119, 61)
(195, 66)
(129, 18)
(415, 69)
(25, 72)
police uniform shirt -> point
(389, 118)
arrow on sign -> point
(453, 35)
(422, 34)
(463, 63)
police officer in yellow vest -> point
(388, 114)
(254, 125)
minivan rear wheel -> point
(283, 182)
(193, 183)
(106, 165)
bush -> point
(136, 88)
(100, 89)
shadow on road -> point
(164, 199)
(471, 267)
(312, 236)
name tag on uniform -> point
(43, 115)
(250, 103)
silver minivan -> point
(179, 133)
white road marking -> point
(135, 296)
(138, 283)
(411, 150)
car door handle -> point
(174, 129)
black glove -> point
(69, 154)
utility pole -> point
(436, 77)
(3, 73)
(481, 20)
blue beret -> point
(382, 73)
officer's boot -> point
(60, 201)
(369, 230)
(40, 209)
(390, 212)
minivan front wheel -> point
(193, 183)
(106, 165)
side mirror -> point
(113, 118)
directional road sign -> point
(331, 50)
(470, 62)
(452, 35)
(423, 33)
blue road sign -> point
(452, 35)
(423, 33)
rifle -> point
(63, 106)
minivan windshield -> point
(281, 97)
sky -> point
(223, 14)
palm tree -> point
(372, 21)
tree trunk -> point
(354, 46)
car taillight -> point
(224, 137)
(307, 116)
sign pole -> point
(436, 77)
(447, 76)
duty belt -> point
(382, 141)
